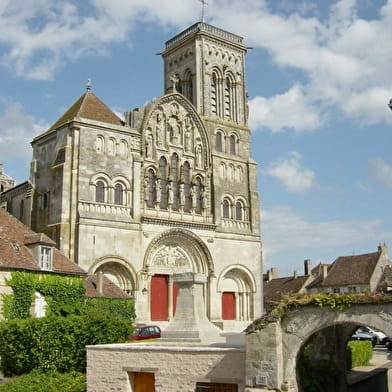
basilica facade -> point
(170, 189)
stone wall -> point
(110, 367)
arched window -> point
(187, 85)
(118, 194)
(100, 192)
(112, 146)
(226, 209)
(162, 191)
(227, 99)
(99, 144)
(239, 211)
(123, 148)
(222, 170)
(150, 189)
(233, 144)
(174, 183)
(219, 141)
(214, 94)
(187, 186)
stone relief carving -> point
(170, 256)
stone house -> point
(170, 189)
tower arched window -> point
(239, 211)
(228, 98)
(118, 194)
(219, 141)
(100, 192)
(233, 144)
(163, 183)
(187, 85)
(226, 209)
(214, 94)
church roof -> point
(15, 238)
(90, 107)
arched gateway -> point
(273, 344)
(173, 251)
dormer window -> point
(45, 258)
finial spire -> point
(203, 4)
(88, 84)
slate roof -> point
(14, 253)
(350, 270)
(275, 289)
(109, 289)
(90, 107)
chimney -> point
(324, 271)
(307, 267)
(272, 274)
(100, 282)
(295, 274)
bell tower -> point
(206, 65)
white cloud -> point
(291, 174)
(381, 171)
(18, 129)
(343, 59)
(292, 109)
(284, 230)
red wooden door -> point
(228, 306)
(159, 298)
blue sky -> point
(319, 80)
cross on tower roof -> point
(203, 4)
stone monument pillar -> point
(190, 323)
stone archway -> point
(273, 343)
(237, 287)
(118, 271)
(173, 251)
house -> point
(21, 249)
(354, 274)
(370, 272)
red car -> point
(147, 332)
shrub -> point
(123, 308)
(56, 343)
(359, 353)
(53, 382)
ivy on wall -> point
(64, 295)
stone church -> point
(170, 189)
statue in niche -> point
(148, 146)
(199, 156)
(174, 130)
(194, 196)
(188, 136)
(204, 198)
(170, 193)
(182, 195)
(158, 190)
(146, 189)
(159, 129)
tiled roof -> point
(109, 289)
(88, 106)
(356, 269)
(15, 254)
(275, 289)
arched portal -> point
(237, 288)
(174, 251)
(119, 271)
